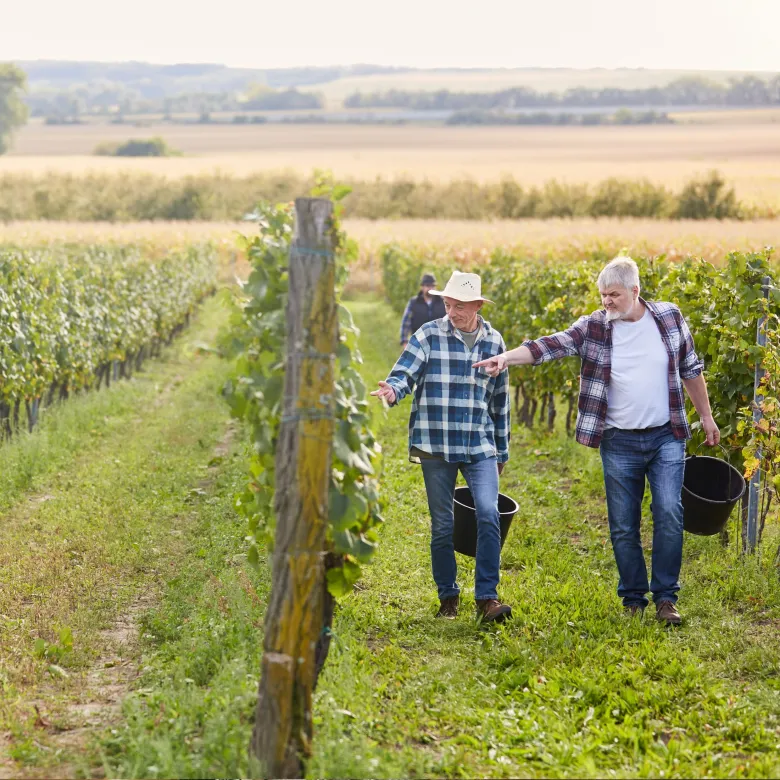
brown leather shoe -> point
(633, 610)
(667, 612)
(493, 611)
(448, 608)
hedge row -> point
(136, 197)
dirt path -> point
(85, 558)
(71, 724)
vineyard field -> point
(72, 319)
(571, 688)
(282, 495)
(137, 525)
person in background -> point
(423, 308)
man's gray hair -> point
(620, 272)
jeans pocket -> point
(609, 434)
(673, 452)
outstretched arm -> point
(406, 372)
(520, 356)
(567, 343)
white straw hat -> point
(463, 287)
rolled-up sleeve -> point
(567, 343)
(408, 369)
(690, 363)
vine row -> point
(76, 318)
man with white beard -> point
(636, 357)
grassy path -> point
(571, 686)
(117, 525)
(98, 509)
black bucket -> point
(711, 488)
(464, 533)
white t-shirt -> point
(638, 395)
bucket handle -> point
(727, 459)
(725, 451)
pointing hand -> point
(385, 392)
(493, 366)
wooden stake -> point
(283, 724)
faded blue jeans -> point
(482, 479)
(628, 457)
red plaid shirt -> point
(590, 338)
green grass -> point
(571, 687)
(115, 479)
(190, 715)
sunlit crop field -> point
(166, 234)
(472, 242)
(710, 238)
(747, 154)
(469, 240)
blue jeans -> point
(628, 457)
(482, 479)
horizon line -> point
(20, 60)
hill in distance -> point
(155, 81)
(335, 83)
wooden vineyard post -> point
(282, 735)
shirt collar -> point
(483, 327)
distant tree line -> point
(622, 117)
(689, 91)
(151, 81)
(69, 106)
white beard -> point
(614, 314)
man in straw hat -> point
(423, 308)
(636, 357)
(459, 423)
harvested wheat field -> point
(163, 233)
(706, 238)
(748, 155)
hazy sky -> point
(706, 34)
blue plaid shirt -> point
(459, 413)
